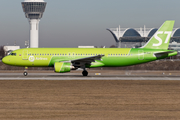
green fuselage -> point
(113, 57)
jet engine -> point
(63, 67)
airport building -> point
(34, 10)
(9, 49)
(137, 37)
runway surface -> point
(91, 76)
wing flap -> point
(86, 61)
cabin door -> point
(25, 55)
(141, 55)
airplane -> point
(66, 59)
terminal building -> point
(137, 37)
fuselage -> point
(113, 57)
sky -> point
(75, 23)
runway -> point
(77, 76)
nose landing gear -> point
(25, 72)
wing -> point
(86, 61)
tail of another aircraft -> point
(160, 40)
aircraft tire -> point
(85, 73)
(25, 73)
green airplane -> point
(66, 59)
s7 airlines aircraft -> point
(67, 59)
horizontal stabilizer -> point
(160, 54)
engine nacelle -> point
(62, 67)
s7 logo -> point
(159, 39)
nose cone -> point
(5, 60)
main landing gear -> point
(85, 73)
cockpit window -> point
(13, 54)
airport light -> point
(34, 10)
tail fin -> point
(160, 40)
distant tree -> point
(112, 46)
(102, 46)
(2, 52)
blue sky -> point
(68, 23)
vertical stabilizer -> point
(160, 40)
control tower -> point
(34, 10)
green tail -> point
(160, 40)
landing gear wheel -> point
(25, 73)
(85, 73)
